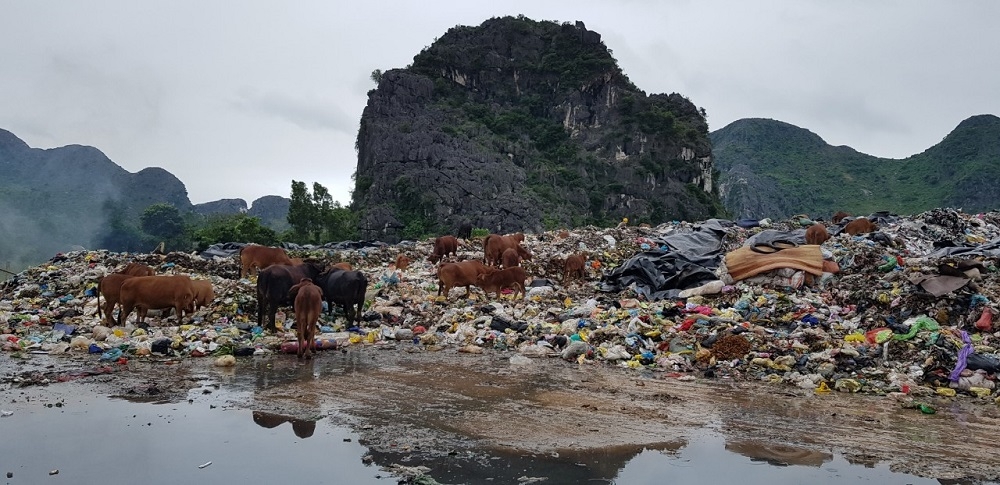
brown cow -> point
(494, 245)
(402, 262)
(308, 307)
(154, 293)
(573, 266)
(110, 286)
(203, 294)
(860, 225)
(510, 258)
(839, 216)
(443, 246)
(258, 257)
(817, 234)
(344, 265)
(505, 278)
(137, 269)
(462, 273)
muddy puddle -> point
(376, 416)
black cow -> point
(345, 288)
(273, 284)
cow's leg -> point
(300, 338)
(260, 310)
(124, 313)
(272, 310)
(109, 307)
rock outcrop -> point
(520, 125)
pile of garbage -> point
(906, 309)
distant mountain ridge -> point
(75, 196)
(769, 168)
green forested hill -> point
(773, 169)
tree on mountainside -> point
(317, 218)
(164, 222)
(234, 228)
(300, 212)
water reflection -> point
(778, 454)
(303, 428)
(502, 466)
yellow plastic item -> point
(945, 391)
(822, 388)
(355, 339)
(568, 302)
(981, 391)
(855, 338)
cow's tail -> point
(99, 282)
(486, 243)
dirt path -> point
(425, 406)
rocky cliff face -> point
(521, 125)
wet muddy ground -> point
(469, 418)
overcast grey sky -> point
(238, 98)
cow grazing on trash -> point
(344, 288)
(273, 284)
(817, 234)
(110, 286)
(839, 216)
(462, 273)
(494, 245)
(137, 269)
(860, 225)
(155, 293)
(255, 257)
(203, 294)
(308, 306)
(506, 278)
(402, 262)
(344, 265)
(573, 267)
(443, 246)
(510, 258)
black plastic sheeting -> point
(689, 261)
(989, 249)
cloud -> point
(306, 113)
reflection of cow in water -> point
(301, 427)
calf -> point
(344, 265)
(573, 266)
(137, 269)
(154, 293)
(344, 288)
(494, 245)
(273, 284)
(443, 246)
(308, 307)
(860, 225)
(402, 262)
(463, 273)
(505, 278)
(203, 294)
(817, 234)
(110, 286)
(839, 216)
(510, 258)
(260, 257)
